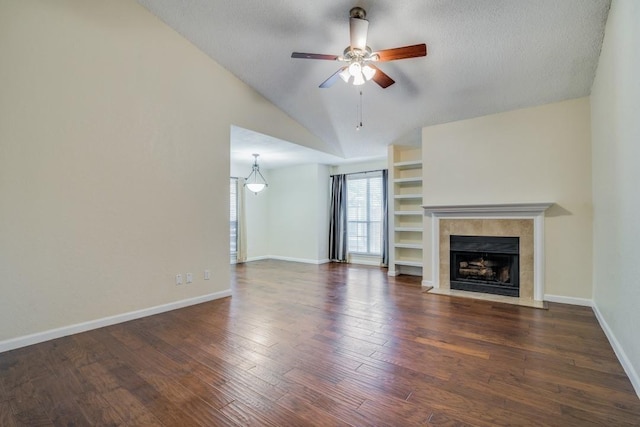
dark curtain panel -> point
(385, 218)
(338, 219)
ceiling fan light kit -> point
(360, 57)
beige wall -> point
(539, 154)
(615, 121)
(114, 162)
(298, 213)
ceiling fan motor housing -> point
(357, 12)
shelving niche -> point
(405, 216)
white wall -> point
(615, 121)
(322, 215)
(370, 165)
(114, 162)
(298, 201)
(539, 154)
(290, 219)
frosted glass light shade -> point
(355, 69)
(256, 187)
(368, 72)
(345, 75)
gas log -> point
(483, 269)
(487, 264)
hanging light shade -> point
(345, 75)
(255, 182)
(355, 69)
(368, 72)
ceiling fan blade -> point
(381, 78)
(405, 52)
(331, 80)
(314, 56)
(358, 29)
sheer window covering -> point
(233, 218)
(242, 223)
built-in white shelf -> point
(407, 196)
(409, 245)
(409, 229)
(407, 180)
(411, 164)
(408, 263)
(408, 213)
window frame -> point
(370, 224)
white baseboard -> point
(585, 302)
(634, 377)
(427, 284)
(64, 331)
(392, 273)
(303, 260)
(257, 258)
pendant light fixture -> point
(255, 182)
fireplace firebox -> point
(485, 264)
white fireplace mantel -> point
(509, 209)
(534, 211)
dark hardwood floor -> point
(326, 345)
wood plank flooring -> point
(328, 345)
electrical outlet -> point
(178, 279)
(189, 278)
(207, 275)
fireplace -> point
(522, 220)
(486, 264)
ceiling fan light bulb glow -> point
(355, 69)
(368, 72)
(358, 79)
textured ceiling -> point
(483, 57)
(274, 153)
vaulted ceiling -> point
(483, 57)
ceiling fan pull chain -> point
(359, 113)
(361, 108)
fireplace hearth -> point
(486, 264)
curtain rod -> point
(357, 173)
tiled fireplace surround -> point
(523, 220)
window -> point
(233, 218)
(364, 213)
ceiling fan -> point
(360, 58)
